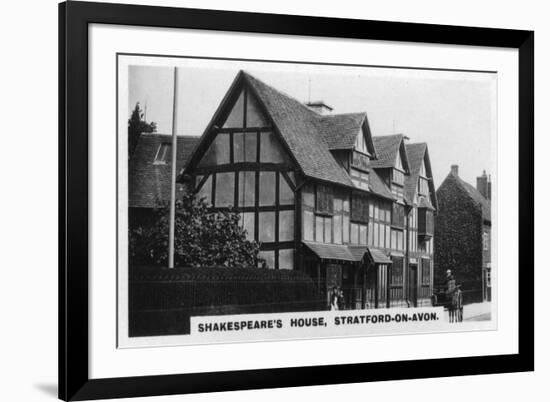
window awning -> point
(332, 251)
(347, 253)
(378, 256)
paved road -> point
(482, 317)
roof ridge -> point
(248, 75)
(341, 114)
(389, 135)
(416, 144)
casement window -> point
(225, 189)
(324, 199)
(396, 278)
(425, 222)
(423, 188)
(359, 208)
(266, 227)
(247, 223)
(286, 194)
(485, 241)
(323, 229)
(286, 225)
(244, 147)
(308, 224)
(247, 189)
(426, 271)
(267, 188)
(398, 177)
(360, 161)
(345, 228)
(378, 229)
(398, 215)
(360, 179)
(164, 154)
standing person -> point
(450, 281)
(334, 299)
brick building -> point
(463, 234)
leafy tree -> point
(136, 126)
(203, 238)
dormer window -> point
(398, 177)
(361, 144)
(163, 154)
(423, 188)
(360, 161)
(360, 179)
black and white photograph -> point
(263, 200)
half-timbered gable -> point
(420, 194)
(242, 162)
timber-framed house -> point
(321, 194)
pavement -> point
(477, 312)
(474, 312)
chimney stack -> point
(319, 107)
(454, 170)
(484, 185)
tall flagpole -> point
(171, 234)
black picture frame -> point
(74, 18)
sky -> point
(453, 112)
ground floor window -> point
(426, 271)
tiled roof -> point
(387, 147)
(333, 251)
(378, 186)
(483, 204)
(309, 136)
(476, 196)
(346, 253)
(374, 254)
(341, 130)
(299, 127)
(149, 182)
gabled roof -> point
(341, 130)
(299, 127)
(417, 153)
(387, 148)
(479, 199)
(308, 136)
(150, 182)
(483, 203)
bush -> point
(162, 300)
